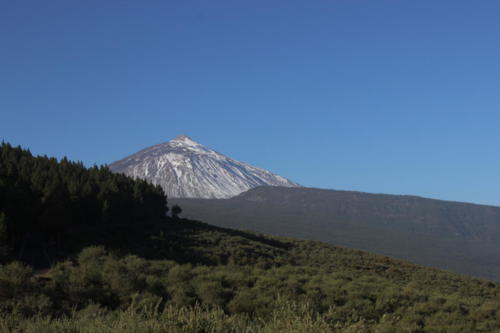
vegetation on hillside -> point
(160, 274)
(243, 282)
(456, 236)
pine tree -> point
(176, 210)
(4, 236)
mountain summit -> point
(185, 168)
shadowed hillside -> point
(455, 236)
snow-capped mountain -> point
(187, 169)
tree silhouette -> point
(3, 229)
(176, 210)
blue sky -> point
(379, 96)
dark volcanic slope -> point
(456, 236)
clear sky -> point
(397, 96)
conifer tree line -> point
(47, 196)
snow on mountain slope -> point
(187, 169)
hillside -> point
(454, 236)
(151, 273)
(151, 279)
